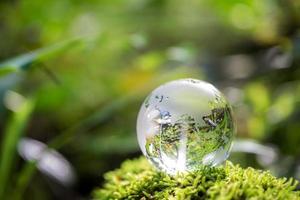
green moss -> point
(136, 179)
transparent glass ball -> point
(184, 124)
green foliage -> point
(136, 179)
(89, 117)
(12, 134)
(25, 61)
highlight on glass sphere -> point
(184, 124)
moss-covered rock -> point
(136, 179)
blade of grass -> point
(12, 134)
(24, 178)
(26, 61)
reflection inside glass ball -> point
(184, 124)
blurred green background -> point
(73, 75)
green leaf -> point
(25, 61)
(12, 134)
(24, 178)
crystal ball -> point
(184, 124)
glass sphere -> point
(183, 124)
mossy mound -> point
(137, 179)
